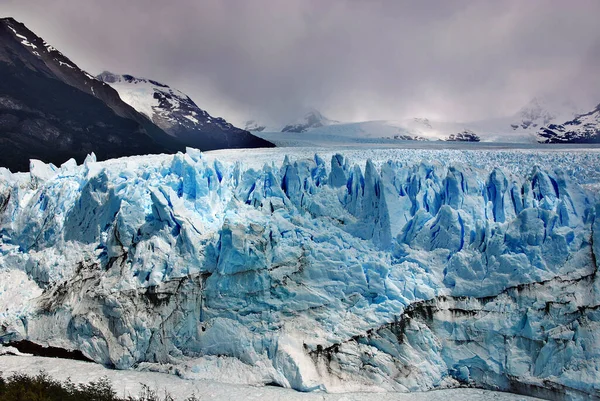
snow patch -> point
(61, 63)
(192, 119)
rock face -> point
(178, 115)
(52, 110)
(410, 138)
(584, 128)
(464, 136)
(309, 274)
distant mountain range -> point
(541, 120)
(52, 110)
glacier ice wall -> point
(310, 274)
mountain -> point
(465, 136)
(372, 270)
(178, 115)
(52, 110)
(309, 121)
(541, 111)
(417, 129)
(253, 125)
(584, 128)
(520, 127)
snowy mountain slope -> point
(373, 131)
(177, 114)
(312, 119)
(584, 128)
(52, 110)
(543, 110)
(254, 126)
(313, 275)
(412, 129)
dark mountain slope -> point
(52, 110)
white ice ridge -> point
(314, 275)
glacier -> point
(332, 272)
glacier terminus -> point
(337, 271)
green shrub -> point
(22, 387)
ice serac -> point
(309, 274)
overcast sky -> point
(354, 60)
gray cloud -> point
(271, 59)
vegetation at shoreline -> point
(42, 387)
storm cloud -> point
(354, 60)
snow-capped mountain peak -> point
(253, 125)
(584, 128)
(177, 114)
(156, 100)
(423, 121)
(311, 120)
(544, 110)
(535, 113)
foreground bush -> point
(22, 387)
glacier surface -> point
(368, 271)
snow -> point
(353, 269)
(128, 383)
(17, 291)
(25, 41)
(49, 48)
(139, 95)
(61, 63)
(583, 128)
(497, 130)
(192, 119)
(522, 127)
(310, 120)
